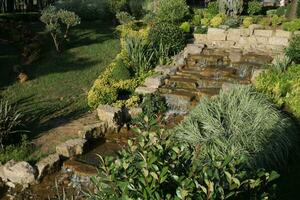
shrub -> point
(10, 121)
(186, 27)
(172, 11)
(254, 7)
(240, 122)
(265, 21)
(120, 71)
(293, 50)
(213, 8)
(292, 25)
(196, 21)
(283, 87)
(277, 20)
(201, 29)
(281, 64)
(205, 21)
(247, 21)
(217, 20)
(155, 167)
(281, 11)
(153, 105)
(124, 17)
(232, 8)
(55, 19)
(232, 22)
(168, 35)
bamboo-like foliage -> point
(240, 122)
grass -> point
(59, 82)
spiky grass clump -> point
(240, 122)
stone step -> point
(182, 82)
(207, 60)
(209, 72)
(257, 59)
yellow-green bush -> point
(217, 20)
(282, 87)
(247, 21)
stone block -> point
(107, 113)
(155, 81)
(280, 41)
(193, 49)
(48, 165)
(166, 70)
(253, 27)
(262, 40)
(282, 33)
(235, 55)
(71, 148)
(93, 131)
(18, 172)
(200, 38)
(263, 33)
(215, 34)
(223, 44)
(145, 90)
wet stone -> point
(71, 148)
(155, 81)
(93, 131)
(145, 90)
(166, 70)
(107, 113)
(48, 165)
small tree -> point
(58, 23)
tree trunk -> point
(293, 12)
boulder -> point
(155, 81)
(200, 38)
(71, 148)
(193, 49)
(178, 60)
(108, 114)
(48, 165)
(284, 34)
(235, 55)
(216, 34)
(280, 41)
(166, 70)
(145, 90)
(93, 131)
(253, 27)
(263, 33)
(18, 172)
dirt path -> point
(51, 138)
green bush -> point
(281, 11)
(293, 50)
(196, 21)
(124, 17)
(283, 87)
(292, 25)
(172, 11)
(281, 63)
(169, 35)
(277, 20)
(231, 8)
(217, 20)
(10, 121)
(153, 105)
(254, 7)
(232, 22)
(155, 167)
(240, 122)
(120, 72)
(186, 27)
(247, 21)
(201, 29)
(213, 8)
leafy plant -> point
(254, 7)
(281, 64)
(156, 167)
(168, 35)
(292, 25)
(55, 19)
(162, 54)
(153, 104)
(293, 50)
(10, 121)
(213, 8)
(200, 30)
(172, 11)
(124, 17)
(240, 122)
(232, 8)
(186, 27)
(196, 21)
(217, 20)
(247, 21)
(120, 71)
(232, 22)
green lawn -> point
(59, 82)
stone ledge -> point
(71, 148)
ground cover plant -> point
(240, 122)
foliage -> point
(196, 21)
(232, 8)
(281, 11)
(10, 121)
(86, 9)
(283, 87)
(162, 54)
(20, 152)
(281, 64)
(200, 30)
(124, 17)
(186, 27)
(292, 25)
(240, 122)
(168, 35)
(293, 50)
(153, 104)
(232, 22)
(254, 7)
(155, 167)
(217, 20)
(140, 54)
(55, 19)
(120, 71)
(172, 11)
(247, 21)
(277, 20)
(115, 6)
(213, 8)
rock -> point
(155, 81)
(282, 33)
(223, 44)
(263, 33)
(193, 49)
(280, 41)
(93, 131)
(18, 172)
(48, 165)
(134, 112)
(200, 38)
(71, 148)
(253, 27)
(262, 40)
(215, 34)
(108, 114)
(166, 70)
(256, 73)
(145, 90)
(235, 55)
(297, 33)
